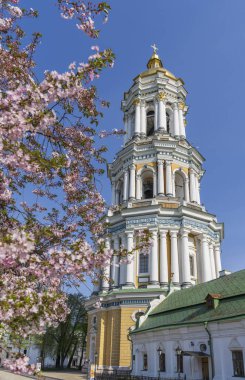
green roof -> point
(188, 306)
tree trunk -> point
(57, 362)
(81, 358)
(72, 354)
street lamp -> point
(159, 350)
(95, 360)
(178, 352)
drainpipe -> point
(131, 347)
(210, 342)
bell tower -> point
(155, 181)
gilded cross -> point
(154, 47)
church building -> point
(155, 181)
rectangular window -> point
(238, 365)
(145, 362)
(143, 263)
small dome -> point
(154, 62)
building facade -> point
(155, 181)
(197, 333)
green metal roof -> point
(188, 306)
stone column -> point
(169, 190)
(206, 273)
(176, 120)
(143, 118)
(211, 257)
(160, 178)
(132, 182)
(154, 184)
(197, 189)
(154, 278)
(181, 120)
(138, 187)
(192, 186)
(163, 259)
(106, 269)
(174, 258)
(187, 192)
(126, 136)
(137, 117)
(185, 259)
(117, 197)
(130, 259)
(155, 115)
(162, 121)
(113, 192)
(217, 259)
(115, 264)
(125, 185)
(173, 184)
(122, 266)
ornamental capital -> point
(162, 96)
(181, 106)
(136, 101)
(132, 167)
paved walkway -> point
(4, 375)
(71, 375)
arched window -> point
(179, 186)
(143, 263)
(168, 122)
(147, 185)
(150, 123)
(162, 364)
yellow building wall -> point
(112, 344)
(178, 166)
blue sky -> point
(201, 41)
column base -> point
(153, 284)
(128, 285)
(162, 130)
(131, 199)
(161, 194)
(186, 285)
(176, 285)
(169, 195)
(104, 290)
(182, 137)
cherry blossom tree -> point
(52, 223)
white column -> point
(192, 186)
(125, 185)
(106, 269)
(174, 258)
(173, 184)
(185, 259)
(217, 259)
(154, 184)
(160, 178)
(187, 191)
(154, 278)
(122, 266)
(138, 187)
(169, 190)
(130, 260)
(126, 136)
(117, 197)
(113, 192)
(96, 287)
(115, 264)
(176, 120)
(211, 257)
(206, 273)
(162, 122)
(197, 189)
(132, 182)
(163, 259)
(181, 120)
(143, 118)
(155, 115)
(137, 117)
